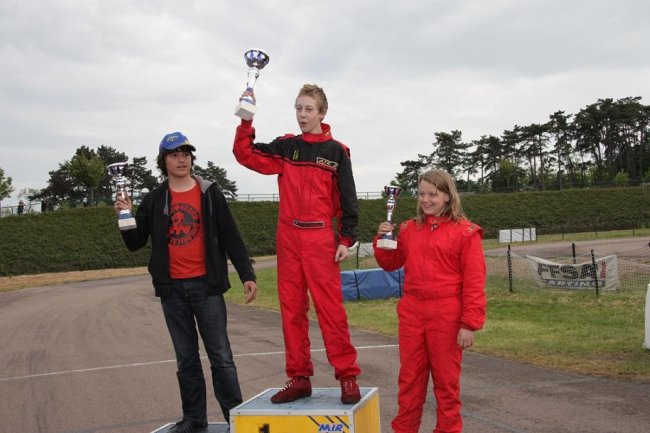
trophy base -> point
(245, 110)
(126, 223)
(387, 244)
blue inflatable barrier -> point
(371, 284)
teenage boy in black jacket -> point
(192, 234)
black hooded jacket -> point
(222, 238)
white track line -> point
(166, 361)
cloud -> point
(124, 73)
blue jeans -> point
(187, 302)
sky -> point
(123, 73)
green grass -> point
(571, 331)
(574, 331)
(267, 294)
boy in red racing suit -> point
(443, 302)
(316, 186)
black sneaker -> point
(188, 427)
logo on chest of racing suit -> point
(322, 161)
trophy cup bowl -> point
(117, 171)
(387, 241)
(256, 59)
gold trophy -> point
(125, 221)
(387, 241)
(256, 60)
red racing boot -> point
(350, 393)
(297, 387)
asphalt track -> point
(95, 357)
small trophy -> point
(387, 241)
(118, 172)
(256, 60)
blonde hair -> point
(317, 93)
(443, 182)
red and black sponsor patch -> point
(326, 162)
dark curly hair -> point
(160, 162)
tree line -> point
(605, 143)
(84, 178)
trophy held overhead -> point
(256, 59)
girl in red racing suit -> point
(443, 303)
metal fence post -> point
(593, 263)
(573, 252)
(646, 343)
(509, 270)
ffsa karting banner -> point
(580, 276)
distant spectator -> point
(21, 207)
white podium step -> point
(322, 412)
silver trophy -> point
(256, 60)
(387, 241)
(117, 171)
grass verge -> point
(571, 331)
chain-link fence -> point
(572, 268)
(553, 269)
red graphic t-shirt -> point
(185, 235)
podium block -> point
(213, 427)
(322, 412)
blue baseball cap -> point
(175, 140)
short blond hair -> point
(317, 93)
